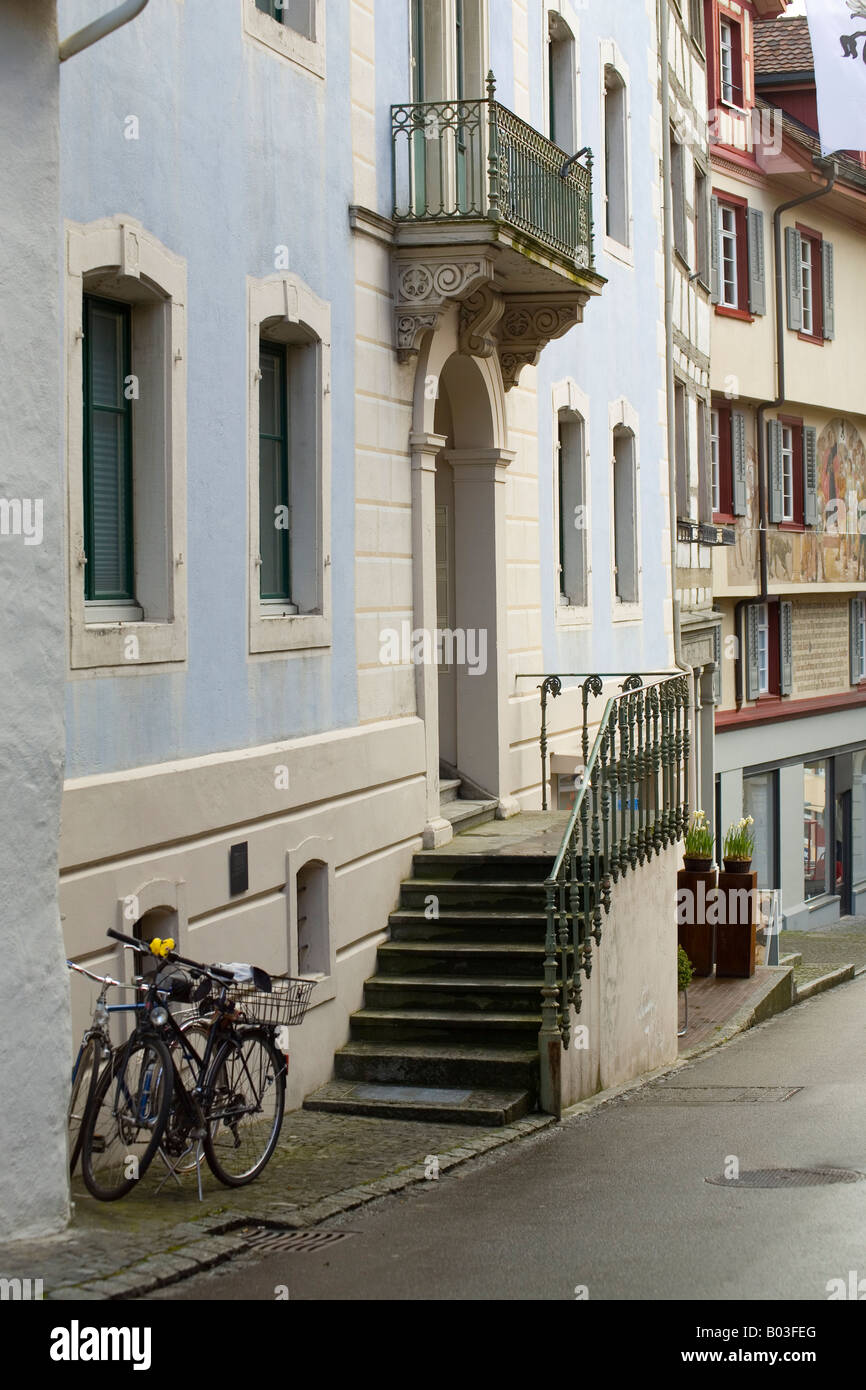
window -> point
(681, 448)
(716, 459)
(702, 226)
(274, 508)
(730, 62)
(737, 252)
(616, 157)
(792, 468)
(126, 446)
(816, 828)
(729, 258)
(705, 496)
(728, 456)
(787, 454)
(625, 516)
(293, 28)
(109, 573)
(678, 181)
(769, 649)
(561, 76)
(811, 287)
(761, 802)
(696, 21)
(573, 518)
(289, 466)
(858, 640)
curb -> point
(840, 976)
(779, 996)
(227, 1234)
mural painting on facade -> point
(834, 551)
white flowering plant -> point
(740, 839)
(698, 842)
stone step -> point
(484, 868)
(442, 1025)
(449, 791)
(503, 896)
(455, 1064)
(488, 994)
(457, 958)
(465, 815)
(466, 925)
(432, 1103)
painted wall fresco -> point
(834, 552)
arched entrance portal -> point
(459, 472)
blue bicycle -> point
(94, 1053)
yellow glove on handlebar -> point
(161, 948)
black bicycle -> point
(224, 1098)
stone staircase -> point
(449, 1028)
(462, 806)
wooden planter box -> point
(694, 934)
(736, 935)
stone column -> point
(425, 448)
(481, 614)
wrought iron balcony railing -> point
(631, 802)
(476, 160)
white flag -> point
(838, 30)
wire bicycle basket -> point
(286, 1004)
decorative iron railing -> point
(631, 802)
(476, 159)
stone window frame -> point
(120, 249)
(622, 415)
(567, 395)
(319, 850)
(286, 299)
(305, 53)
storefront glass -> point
(818, 866)
(760, 801)
(858, 818)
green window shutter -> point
(715, 222)
(774, 469)
(793, 256)
(738, 461)
(108, 485)
(856, 642)
(757, 269)
(810, 475)
(717, 658)
(274, 516)
(751, 662)
(786, 648)
(829, 289)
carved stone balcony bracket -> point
(517, 326)
(529, 324)
(424, 285)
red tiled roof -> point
(783, 45)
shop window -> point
(817, 868)
(761, 802)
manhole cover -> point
(297, 1242)
(715, 1095)
(787, 1177)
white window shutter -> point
(715, 263)
(751, 662)
(757, 270)
(794, 257)
(774, 469)
(810, 475)
(829, 289)
(786, 647)
(738, 461)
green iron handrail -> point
(639, 759)
(478, 160)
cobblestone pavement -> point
(323, 1164)
(841, 943)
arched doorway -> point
(459, 471)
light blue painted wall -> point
(612, 354)
(239, 151)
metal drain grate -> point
(715, 1095)
(788, 1177)
(264, 1238)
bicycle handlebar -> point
(222, 975)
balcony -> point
(494, 216)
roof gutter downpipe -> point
(830, 170)
(100, 28)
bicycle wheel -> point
(244, 1100)
(124, 1125)
(176, 1140)
(84, 1080)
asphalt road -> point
(618, 1201)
